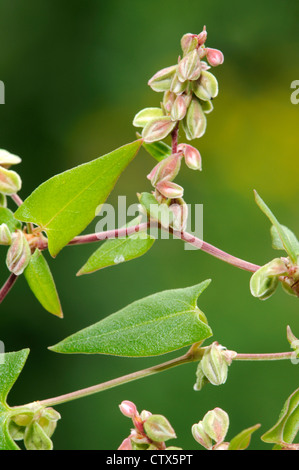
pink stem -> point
(7, 286)
(118, 233)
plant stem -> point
(16, 198)
(174, 138)
(265, 357)
(118, 233)
(118, 381)
(212, 250)
(194, 354)
(7, 286)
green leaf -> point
(11, 365)
(7, 217)
(287, 426)
(64, 205)
(286, 242)
(119, 250)
(242, 440)
(159, 150)
(277, 243)
(41, 282)
(155, 325)
(156, 211)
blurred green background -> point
(75, 75)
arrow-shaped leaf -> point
(286, 428)
(155, 325)
(64, 205)
(41, 282)
(119, 250)
(286, 242)
(242, 440)
(11, 365)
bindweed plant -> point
(58, 211)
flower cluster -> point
(10, 182)
(150, 431)
(188, 90)
(213, 427)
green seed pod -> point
(206, 87)
(179, 108)
(19, 253)
(201, 436)
(5, 235)
(215, 424)
(177, 86)
(189, 43)
(189, 67)
(158, 129)
(195, 122)
(146, 115)
(264, 281)
(35, 438)
(214, 364)
(161, 80)
(158, 428)
(7, 159)
(201, 379)
(10, 182)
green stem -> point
(194, 354)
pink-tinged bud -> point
(177, 86)
(167, 169)
(169, 189)
(206, 87)
(216, 424)
(202, 52)
(201, 436)
(19, 253)
(161, 80)
(179, 108)
(144, 415)
(192, 156)
(189, 67)
(189, 42)
(214, 56)
(168, 100)
(179, 210)
(202, 37)
(158, 129)
(146, 115)
(128, 409)
(5, 235)
(7, 159)
(204, 65)
(126, 444)
(196, 121)
(158, 428)
(10, 182)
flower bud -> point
(201, 379)
(177, 86)
(195, 122)
(161, 80)
(214, 56)
(19, 253)
(158, 428)
(126, 444)
(215, 424)
(214, 364)
(179, 210)
(204, 65)
(207, 106)
(202, 37)
(158, 129)
(189, 42)
(128, 409)
(189, 67)
(264, 281)
(169, 189)
(47, 419)
(5, 235)
(192, 156)
(168, 100)
(35, 438)
(146, 115)
(179, 108)
(166, 169)
(201, 436)
(144, 415)
(7, 159)
(10, 182)
(206, 87)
